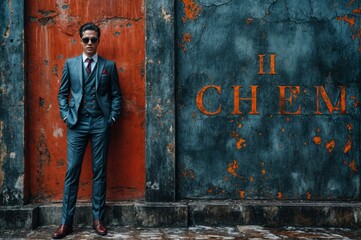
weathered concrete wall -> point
(296, 137)
(11, 103)
(268, 99)
(160, 102)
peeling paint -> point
(19, 185)
(166, 16)
(240, 142)
(170, 148)
(351, 21)
(8, 27)
(330, 145)
(191, 10)
(58, 132)
(232, 169)
(241, 194)
(356, 103)
(352, 166)
(348, 145)
(317, 140)
(186, 39)
(159, 109)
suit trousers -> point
(97, 131)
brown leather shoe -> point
(62, 231)
(99, 228)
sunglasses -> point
(86, 40)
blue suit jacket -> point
(71, 89)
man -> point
(89, 101)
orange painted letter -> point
(272, 64)
(340, 106)
(237, 100)
(199, 100)
(294, 92)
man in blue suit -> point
(89, 101)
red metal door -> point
(51, 37)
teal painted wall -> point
(301, 138)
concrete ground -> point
(200, 232)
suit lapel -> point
(80, 65)
(100, 63)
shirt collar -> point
(94, 57)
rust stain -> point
(352, 166)
(188, 173)
(241, 194)
(308, 196)
(279, 196)
(251, 179)
(249, 21)
(348, 145)
(171, 148)
(241, 143)
(351, 22)
(187, 38)
(357, 11)
(210, 190)
(232, 167)
(191, 10)
(330, 145)
(356, 103)
(317, 140)
(263, 170)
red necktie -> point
(88, 67)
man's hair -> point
(89, 26)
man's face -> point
(90, 48)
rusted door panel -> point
(268, 99)
(51, 37)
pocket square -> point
(105, 72)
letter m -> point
(340, 105)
